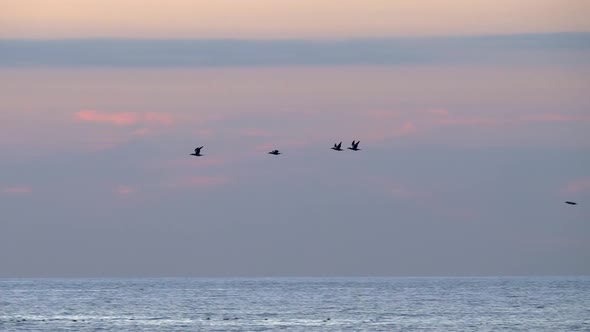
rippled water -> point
(296, 304)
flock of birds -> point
(337, 147)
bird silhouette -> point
(197, 152)
(571, 203)
(354, 146)
(275, 152)
(337, 147)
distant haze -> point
(523, 49)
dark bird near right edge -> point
(275, 152)
(354, 146)
(197, 152)
(337, 147)
(571, 203)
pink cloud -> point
(578, 185)
(124, 190)
(158, 118)
(123, 118)
(139, 124)
(117, 119)
(407, 129)
(556, 118)
(18, 190)
(439, 112)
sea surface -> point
(296, 304)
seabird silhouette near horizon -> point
(571, 203)
(337, 147)
(197, 152)
(354, 146)
(275, 152)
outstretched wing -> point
(357, 144)
(339, 145)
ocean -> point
(296, 304)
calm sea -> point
(296, 304)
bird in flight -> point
(275, 152)
(197, 152)
(354, 146)
(337, 147)
(571, 203)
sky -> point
(473, 119)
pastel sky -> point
(286, 18)
(473, 117)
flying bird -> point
(354, 146)
(275, 152)
(571, 203)
(337, 147)
(197, 152)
